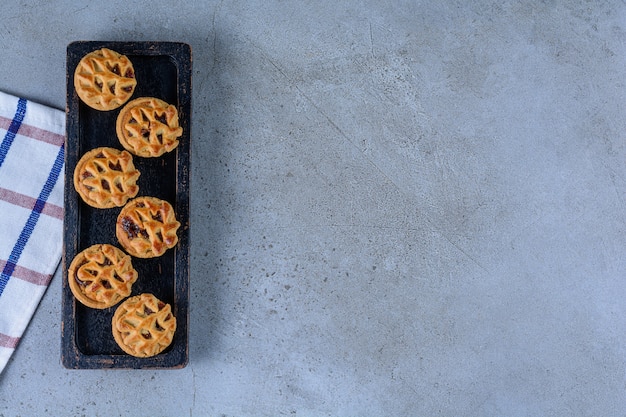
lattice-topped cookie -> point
(101, 276)
(148, 127)
(106, 177)
(146, 227)
(104, 79)
(143, 325)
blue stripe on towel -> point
(19, 246)
(13, 128)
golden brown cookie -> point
(143, 325)
(148, 127)
(101, 276)
(104, 79)
(106, 177)
(146, 227)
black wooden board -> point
(162, 70)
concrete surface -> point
(399, 208)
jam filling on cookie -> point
(116, 69)
(78, 280)
(161, 118)
(132, 229)
(115, 167)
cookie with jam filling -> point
(101, 276)
(148, 127)
(146, 227)
(104, 79)
(143, 325)
(106, 177)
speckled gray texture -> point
(398, 208)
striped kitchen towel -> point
(31, 211)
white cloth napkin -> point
(31, 211)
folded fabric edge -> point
(31, 117)
(39, 116)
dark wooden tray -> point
(163, 70)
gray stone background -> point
(398, 208)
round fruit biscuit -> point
(106, 177)
(104, 79)
(146, 227)
(148, 127)
(143, 325)
(101, 275)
